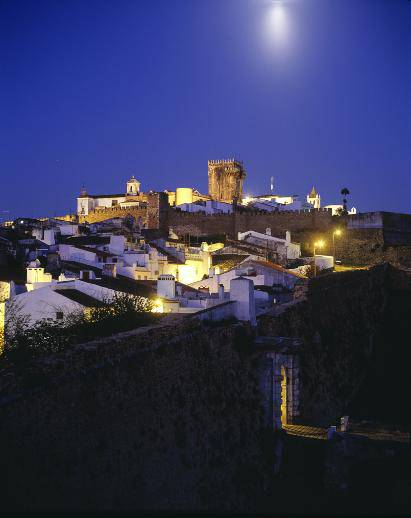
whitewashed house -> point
(285, 249)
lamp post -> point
(336, 232)
(317, 244)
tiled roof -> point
(122, 195)
(80, 297)
(85, 240)
(185, 288)
(99, 253)
(126, 285)
(74, 266)
(171, 258)
(273, 266)
(313, 193)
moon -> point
(278, 23)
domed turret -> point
(133, 187)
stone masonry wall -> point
(161, 418)
(368, 246)
(339, 325)
(230, 224)
(368, 239)
(95, 216)
(153, 216)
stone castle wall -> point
(241, 221)
(225, 180)
(369, 246)
(340, 325)
(152, 216)
(367, 239)
(162, 418)
(97, 215)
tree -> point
(21, 339)
(345, 192)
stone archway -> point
(284, 417)
(280, 379)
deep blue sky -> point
(308, 91)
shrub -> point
(122, 313)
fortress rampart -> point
(152, 213)
(241, 221)
(166, 418)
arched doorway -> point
(283, 396)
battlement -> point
(252, 212)
(200, 223)
(227, 161)
(225, 180)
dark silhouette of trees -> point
(345, 192)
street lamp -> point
(317, 244)
(336, 232)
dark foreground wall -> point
(355, 341)
(179, 426)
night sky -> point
(308, 91)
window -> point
(59, 315)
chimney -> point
(221, 292)
(288, 236)
(242, 293)
(109, 270)
(166, 286)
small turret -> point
(133, 187)
(314, 198)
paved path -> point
(310, 432)
(375, 433)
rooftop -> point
(313, 193)
(122, 195)
(126, 285)
(273, 266)
(80, 297)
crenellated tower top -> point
(225, 180)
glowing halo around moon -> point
(278, 26)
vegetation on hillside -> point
(23, 339)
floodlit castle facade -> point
(225, 180)
(148, 209)
(86, 203)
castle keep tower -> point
(225, 180)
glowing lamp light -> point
(338, 232)
(158, 306)
(319, 244)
